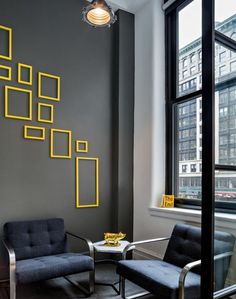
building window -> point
(184, 168)
(185, 74)
(233, 66)
(185, 62)
(193, 168)
(200, 55)
(222, 56)
(193, 58)
(222, 70)
(192, 70)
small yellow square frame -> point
(78, 144)
(51, 107)
(29, 92)
(8, 77)
(27, 136)
(52, 155)
(30, 69)
(9, 30)
(42, 96)
(77, 176)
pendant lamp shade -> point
(99, 14)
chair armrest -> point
(12, 265)
(131, 246)
(10, 251)
(190, 266)
(87, 241)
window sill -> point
(222, 219)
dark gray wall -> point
(50, 36)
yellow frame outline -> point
(50, 121)
(7, 115)
(8, 68)
(9, 30)
(52, 155)
(77, 177)
(30, 68)
(58, 79)
(77, 146)
(26, 136)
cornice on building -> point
(223, 27)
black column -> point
(123, 129)
(208, 148)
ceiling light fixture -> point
(99, 14)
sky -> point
(190, 18)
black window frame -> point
(173, 99)
(209, 37)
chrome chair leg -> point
(12, 288)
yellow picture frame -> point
(42, 129)
(57, 78)
(40, 119)
(77, 176)
(52, 132)
(26, 66)
(77, 146)
(8, 68)
(6, 98)
(9, 30)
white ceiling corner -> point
(128, 5)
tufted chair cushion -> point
(184, 246)
(32, 239)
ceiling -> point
(128, 5)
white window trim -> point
(223, 220)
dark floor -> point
(61, 289)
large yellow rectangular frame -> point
(77, 178)
(26, 136)
(52, 155)
(29, 92)
(8, 68)
(40, 95)
(26, 66)
(9, 30)
(50, 121)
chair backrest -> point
(185, 247)
(32, 239)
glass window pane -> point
(189, 149)
(225, 16)
(190, 54)
(225, 105)
(225, 183)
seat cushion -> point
(159, 278)
(47, 267)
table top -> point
(100, 247)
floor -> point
(61, 289)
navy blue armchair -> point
(177, 276)
(38, 250)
